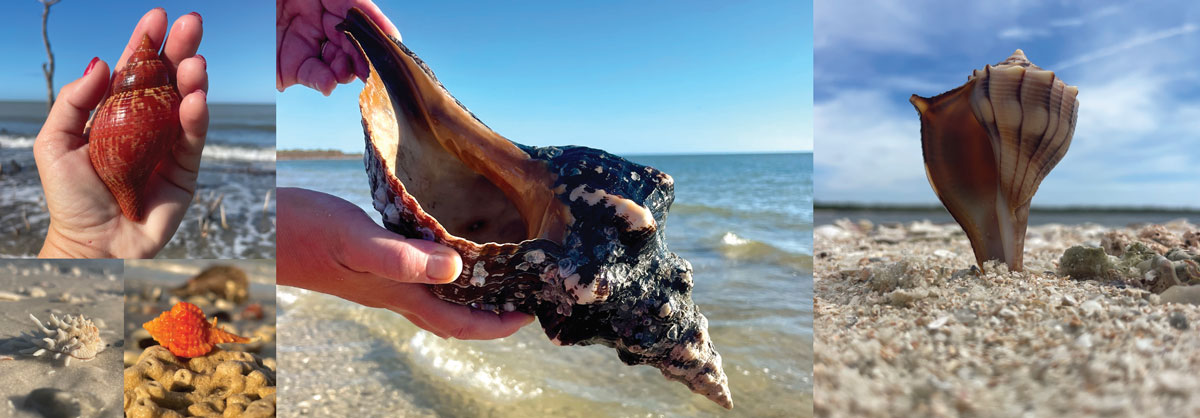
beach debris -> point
(1181, 294)
(72, 337)
(217, 282)
(573, 235)
(221, 383)
(135, 128)
(989, 143)
(212, 209)
(253, 312)
(185, 332)
(10, 296)
(1146, 260)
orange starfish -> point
(185, 332)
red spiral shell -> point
(134, 128)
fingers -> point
(378, 251)
(192, 75)
(317, 75)
(154, 24)
(72, 109)
(184, 39)
(449, 320)
(193, 117)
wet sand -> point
(905, 328)
(43, 386)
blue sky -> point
(238, 44)
(628, 77)
(1137, 66)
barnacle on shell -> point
(573, 235)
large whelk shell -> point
(134, 128)
(573, 235)
(989, 143)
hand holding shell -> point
(85, 217)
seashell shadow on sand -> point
(907, 325)
(36, 386)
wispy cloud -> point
(1022, 34)
(1132, 43)
(1080, 20)
(1139, 116)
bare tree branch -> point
(48, 67)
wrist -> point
(58, 245)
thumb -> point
(63, 130)
(391, 256)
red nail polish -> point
(198, 17)
(91, 65)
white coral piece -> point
(72, 337)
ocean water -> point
(238, 168)
(743, 221)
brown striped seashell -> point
(989, 143)
(134, 128)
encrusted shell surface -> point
(988, 145)
(135, 128)
(185, 332)
(571, 234)
(70, 337)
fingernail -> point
(202, 93)
(442, 266)
(91, 65)
(203, 60)
(197, 17)
(160, 9)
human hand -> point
(85, 220)
(328, 245)
(311, 51)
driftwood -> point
(48, 67)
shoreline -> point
(306, 155)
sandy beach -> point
(44, 386)
(906, 328)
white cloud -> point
(1139, 119)
(1132, 43)
(882, 26)
(866, 141)
(1080, 20)
(1023, 34)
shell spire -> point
(988, 145)
(185, 332)
(134, 128)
